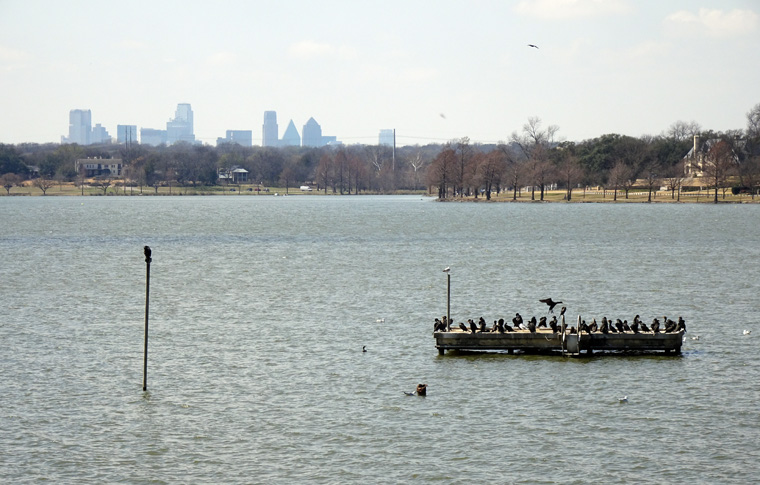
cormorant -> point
(551, 303)
(473, 327)
(681, 324)
(542, 322)
(463, 327)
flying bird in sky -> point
(533, 45)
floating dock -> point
(543, 340)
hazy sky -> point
(433, 70)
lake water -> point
(260, 307)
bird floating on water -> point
(624, 399)
(381, 320)
(364, 348)
(747, 332)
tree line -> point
(532, 158)
(535, 160)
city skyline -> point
(431, 72)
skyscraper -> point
(312, 134)
(291, 138)
(181, 127)
(126, 133)
(244, 138)
(269, 130)
(99, 135)
(80, 126)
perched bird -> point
(644, 327)
(147, 252)
(563, 310)
(542, 322)
(635, 327)
(604, 328)
(446, 269)
(507, 328)
(626, 327)
(619, 326)
(482, 325)
(533, 45)
(473, 327)
(681, 324)
(656, 326)
(551, 303)
(517, 320)
(532, 325)
(463, 327)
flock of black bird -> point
(606, 326)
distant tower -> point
(269, 131)
(291, 138)
(80, 126)
(385, 138)
(312, 134)
(181, 127)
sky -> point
(432, 70)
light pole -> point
(148, 260)
(448, 298)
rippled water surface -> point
(260, 307)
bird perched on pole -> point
(147, 252)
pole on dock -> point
(448, 298)
(147, 304)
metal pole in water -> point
(448, 298)
(147, 303)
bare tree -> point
(570, 172)
(619, 174)
(749, 174)
(464, 153)
(416, 161)
(490, 169)
(534, 136)
(651, 178)
(513, 171)
(753, 122)
(719, 163)
(43, 183)
(674, 178)
(324, 173)
(442, 171)
(682, 130)
(10, 180)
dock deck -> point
(545, 341)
